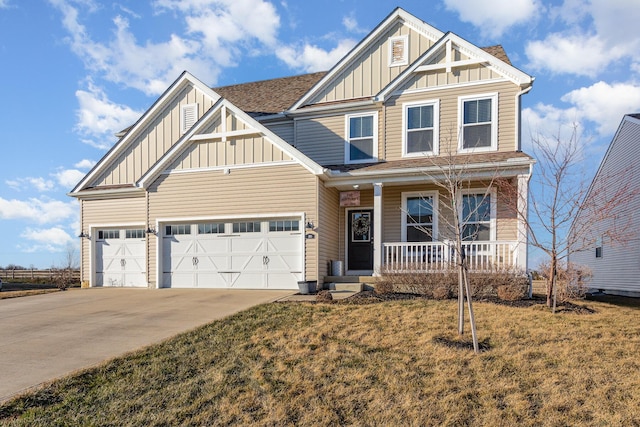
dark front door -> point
(360, 240)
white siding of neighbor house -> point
(618, 271)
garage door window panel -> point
(284, 225)
(176, 230)
(212, 228)
(246, 227)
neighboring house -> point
(614, 266)
(261, 185)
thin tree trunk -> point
(472, 320)
(460, 300)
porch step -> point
(348, 287)
(349, 279)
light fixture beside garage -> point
(84, 235)
(151, 230)
(310, 225)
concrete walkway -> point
(44, 337)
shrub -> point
(324, 296)
(508, 285)
(571, 281)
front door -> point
(360, 240)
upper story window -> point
(479, 123)
(398, 51)
(188, 117)
(362, 138)
(478, 216)
(419, 217)
(421, 128)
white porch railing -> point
(439, 256)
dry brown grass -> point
(390, 363)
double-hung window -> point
(479, 123)
(362, 138)
(477, 216)
(421, 128)
(419, 217)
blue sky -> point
(74, 72)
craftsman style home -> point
(263, 184)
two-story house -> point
(261, 185)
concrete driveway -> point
(43, 337)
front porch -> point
(487, 256)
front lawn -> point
(389, 363)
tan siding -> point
(283, 130)
(619, 268)
(107, 212)
(246, 192)
(322, 139)
(370, 72)
(153, 141)
(449, 111)
(233, 152)
(328, 228)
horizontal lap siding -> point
(108, 212)
(328, 228)
(322, 139)
(449, 112)
(283, 130)
(619, 267)
(247, 192)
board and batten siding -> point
(108, 212)
(618, 270)
(152, 141)
(237, 151)
(449, 116)
(244, 192)
(370, 72)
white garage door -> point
(120, 258)
(255, 254)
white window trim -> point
(494, 122)
(347, 140)
(184, 125)
(405, 53)
(403, 221)
(436, 127)
(493, 208)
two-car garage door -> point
(249, 254)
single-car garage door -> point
(120, 257)
(253, 254)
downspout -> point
(518, 101)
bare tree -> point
(457, 184)
(561, 192)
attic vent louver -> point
(398, 51)
(188, 117)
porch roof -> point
(476, 165)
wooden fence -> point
(36, 274)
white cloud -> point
(216, 33)
(604, 104)
(85, 164)
(40, 184)
(598, 35)
(46, 239)
(99, 119)
(312, 58)
(351, 24)
(69, 178)
(4, 4)
(39, 211)
(493, 17)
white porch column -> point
(523, 213)
(377, 228)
